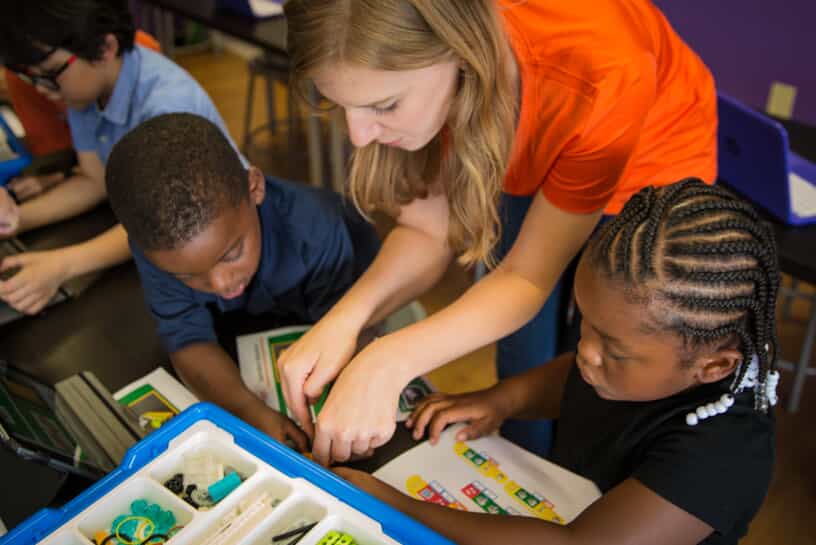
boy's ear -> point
(110, 47)
(257, 185)
(717, 365)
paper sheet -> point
(490, 475)
(6, 153)
(258, 355)
(12, 121)
(266, 8)
(802, 195)
(155, 398)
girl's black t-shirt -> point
(719, 470)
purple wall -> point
(750, 43)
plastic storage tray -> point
(302, 492)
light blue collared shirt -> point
(148, 85)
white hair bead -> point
(750, 379)
(708, 410)
(770, 387)
(691, 419)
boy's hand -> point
(9, 215)
(31, 186)
(39, 275)
(279, 427)
(484, 410)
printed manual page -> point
(490, 475)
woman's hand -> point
(360, 413)
(313, 361)
(484, 410)
(39, 276)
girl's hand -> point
(370, 484)
(312, 362)
(485, 410)
(360, 413)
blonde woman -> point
(496, 131)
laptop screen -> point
(30, 427)
(26, 416)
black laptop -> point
(76, 427)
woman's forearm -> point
(503, 301)
(409, 263)
(494, 307)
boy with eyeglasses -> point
(83, 54)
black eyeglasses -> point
(47, 80)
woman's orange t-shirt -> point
(43, 119)
(612, 100)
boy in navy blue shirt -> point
(207, 233)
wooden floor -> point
(786, 518)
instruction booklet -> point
(155, 398)
(490, 475)
(258, 355)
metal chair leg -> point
(247, 141)
(802, 367)
(315, 148)
(789, 295)
(271, 107)
(295, 120)
(336, 150)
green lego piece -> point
(337, 538)
(330, 539)
(346, 539)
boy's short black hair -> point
(31, 29)
(170, 177)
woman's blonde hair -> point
(469, 157)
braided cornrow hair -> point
(706, 255)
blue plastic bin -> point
(394, 524)
(11, 168)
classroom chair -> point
(733, 122)
(274, 67)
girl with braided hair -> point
(666, 405)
